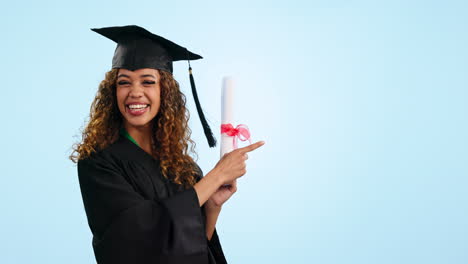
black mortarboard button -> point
(138, 48)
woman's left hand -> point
(221, 195)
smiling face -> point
(138, 96)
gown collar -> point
(124, 133)
(130, 148)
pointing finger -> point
(252, 147)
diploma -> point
(227, 96)
(229, 133)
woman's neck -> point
(142, 135)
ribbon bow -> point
(240, 132)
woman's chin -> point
(138, 123)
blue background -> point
(362, 104)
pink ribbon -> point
(239, 132)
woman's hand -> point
(220, 196)
(232, 165)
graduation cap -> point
(138, 48)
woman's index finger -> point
(252, 147)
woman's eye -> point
(144, 82)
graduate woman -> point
(145, 198)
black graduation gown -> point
(138, 216)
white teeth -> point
(137, 106)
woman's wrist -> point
(216, 177)
(207, 186)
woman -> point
(145, 198)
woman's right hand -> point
(232, 165)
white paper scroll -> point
(227, 100)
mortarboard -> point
(138, 48)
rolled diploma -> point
(227, 96)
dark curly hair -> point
(171, 133)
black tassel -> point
(206, 128)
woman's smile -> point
(137, 109)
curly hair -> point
(171, 133)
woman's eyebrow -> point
(141, 76)
(123, 75)
(147, 75)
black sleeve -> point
(129, 229)
(216, 250)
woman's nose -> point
(136, 90)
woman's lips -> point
(137, 111)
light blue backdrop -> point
(362, 104)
